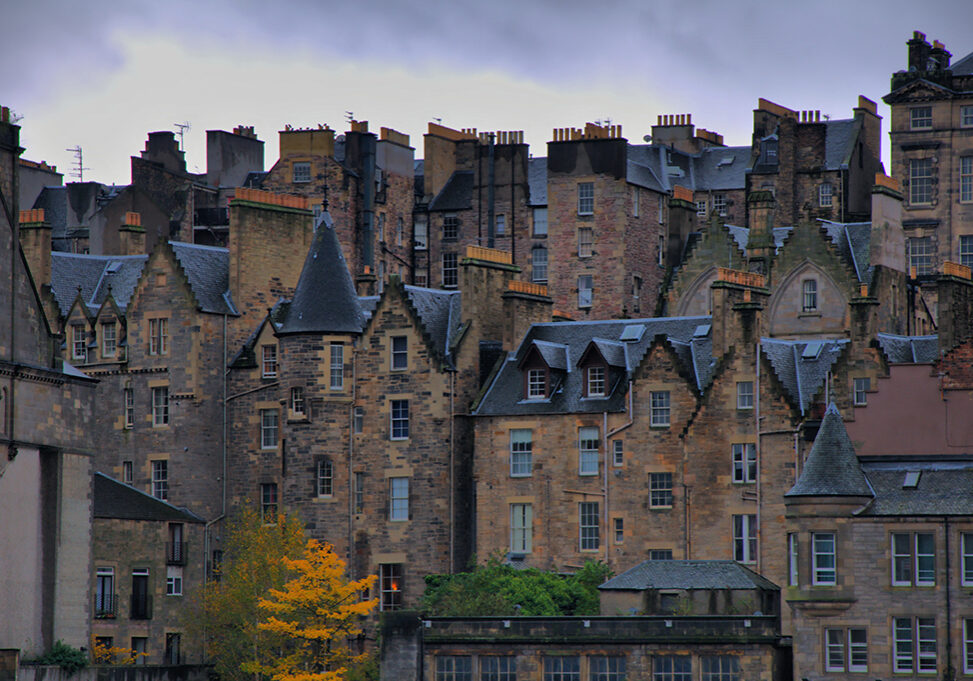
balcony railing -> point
(106, 606)
(176, 552)
(141, 608)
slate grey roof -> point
(54, 201)
(642, 176)
(537, 181)
(853, 241)
(713, 169)
(909, 349)
(95, 274)
(963, 67)
(831, 468)
(944, 488)
(802, 377)
(439, 313)
(208, 270)
(368, 305)
(688, 574)
(456, 194)
(742, 235)
(721, 168)
(613, 352)
(504, 395)
(255, 179)
(113, 499)
(324, 300)
(839, 141)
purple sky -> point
(102, 75)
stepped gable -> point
(207, 268)
(456, 194)
(324, 300)
(853, 241)
(95, 274)
(908, 349)
(801, 370)
(688, 574)
(832, 467)
(113, 499)
(439, 315)
(941, 488)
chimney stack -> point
(131, 235)
(35, 240)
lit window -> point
(337, 366)
(302, 171)
(398, 499)
(450, 271)
(521, 528)
(268, 501)
(268, 429)
(400, 419)
(585, 290)
(809, 295)
(920, 254)
(588, 525)
(420, 233)
(400, 353)
(540, 221)
(160, 407)
(390, 585)
(914, 645)
(297, 400)
(719, 204)
(660, 409)
(586, 198)
(585, 242)
(744, 463)
(825, 197)
(79, 343)
(108, 343)
(861, 387)
(913, 559)
(719, 668)
(538, 263)
(745, 538)
(920, 117)
(823, 558)
(536, 384)
(160, 479)
(672, 668)
(324, 478)
(588, 440)
(450, 227)
(128, 402)
(454, 668)
(596, 381)
(920, 181)
(269, 363)
(745, 395)
(521, 452)
(966, 179)
(660, 490)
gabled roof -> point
(95, 274)
(943, 487)
(853, 242)
(555, 355)
(801, 375)
(570, 339)
(208, 270)
(456, 194)
(832, 467)
(537, 181)
(742, 236)
(613, 352)
(440, 315)
(909, 349)
(721, 168)
(642, 176)
(839, 141)
(963, 67)
(688, 574)
(113, 499)
(324, 300)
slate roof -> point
(713, 169)
(688, 574)
(537, 181)
(643, 176)
(831, 468)
(54, 201)
(909, 349)
(963, 67)
(113, 499)
(943, 488)
(839, 142)
(439, 313)
(456, 194)
(208, 270)
(504, 395)
(324, 300)
(742, 235)
(723, 168)
(802, 377)
(95, 274)
(853, 241)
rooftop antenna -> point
(603, 122)
(349, 116)
(438, 120)
(79, 168)
(183, 127)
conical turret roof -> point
(832, 467)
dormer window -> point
(596, 381)
(536, 384)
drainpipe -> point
(950, 669)
(208, 525)
(610, 434)
(756, 428)
(351, 456)
(452, 461)
(608, 528)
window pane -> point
(588, 440)
(521, 452)
(588, 522)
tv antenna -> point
(79, 167)
(183, 127)
(349, 116)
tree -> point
(227, 615)
(313, 616)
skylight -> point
(911, 479)
(632, 333)
(812, 350)
(113, 266)
(701, 331)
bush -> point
(64, 656)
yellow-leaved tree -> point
(312, 617)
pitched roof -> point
(853, 242)
(721, 168)
(324, 300)
(439, 313)
(963, 67)
(113, 499)
(688, 574)
(95, 274)
(832, 467)
(839, 141)
(943, 487)
(742, 235)
(208, 270)
(456, 194)
(800, 370)
(909, 349)
(537, 181)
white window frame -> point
(909, 566)
(420, 233)
(336, 368)
(109, 343)
(660, 409)
(159, 336)
(834, 650)
(966, 116)
(861, 386)
(966, 250)
(358, 420)
(825, 195)
(966, 558)
(450, 227)
(539, 227)
(793, 574)
(521, 452)
(926, 661)
(398, 424)
(301, 172)
(968, 646)
(660, 489)
(398, 499)
(966, 179)
(619, 530)
(745, 538)
(744, 462)
(857, 650)
(399, 353)
(160, 406)
(500, 225)
(701, 207)
(173, 580)
(269, 428)
(719, 667)
(160, 479)
(589, 533)
(596, 380)
(521, 528)
(586, 198)
(586, 242)
(824, 559)
(920, 118)
(618, 452)
(128, 407)
(324, 478)
(298, 403)
(744, 395)
(920, 181)
(586, 290)
(268, 361)
(538, 266)
(589, 448)
(79, 342)
(450, 270)
(536, 384)
(719, 204)
(921, 254)
(809, 295)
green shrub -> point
(64, 656)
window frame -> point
(966, 559)
(920, 118)
(720, 204)
(109, 339)
(911, 560)
(160, 479)
(586, 291)
(420, 233)
(966, 179)
(745, 538)
(174, 579)
(521, 453)
(618, 452)
(588, 457)
(660, 489)
(297, 400)
(586, 242)
(825, 195)
(399, 507)
(79, 342)
(538, 270)
(450, 227)
(268, 501)
(500, 224)
(159, 336)
(589, 526)
(606, 667)
(454, 668)
(920, 181)
(390, 591)
(535, 232)
(269, 429)
(336, 366)
(793, 557)
(920, 254)
(536, 384)
(596, 379)
(860, 387)
(809, 295)
(562, 668)
(521, 528)
(745, 395)
(450, 270)
(664, 667)
(586, 198)
(300, 172)
(967, 645)
(399, 353)
(719, 668)
(966, 249)
(128, 407)
(660, 409)
(966, 116)
(744, 457)
(160, 406)
(820, 569)
(323, 478)
(268, 360)
(398, 423)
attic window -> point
(812, 350)
(725, 161)
(701, 331)
(911, 479)
(113, 266)
(632, 333)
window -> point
(966, 178)
(128, 402)
(660, 409)
(398, 499)
(968, 646)
(913, 559)
(269, 361)
(823, 559)
(606, 668)
(920, 254)
(792, 564)
(540, 221)
(637, 291)
(500, 224)
(450, 227)
(498, 668)
(108, 344)
(562, 668)
(588, 439)
(911, 636)
(966, 250)
(745, 538)
(454, 668)
(159, 336)
(619, 524)
(521, 528)
(837, 642)
(585, 292)
(588, 525)
(268, 501)
(586, 198)
(744, 463)
(536, 384)
(172, 655)
(400, 419)
(420, 233)
(966, 116)
(174, 580)
(400, 353)
(825, 197)
(302, 171)
(719, 204)
(160, 406)
(660, 554)
(390, 585)
(809, 295)
(521, 452)
(324, 478)
(337, 366)
(672, 668)
(745, 395)
(140, 645)
(618, 452)
(585, 242)
(297, 400)
(399, 229)
(966, 547)
(79, 344)
(701, 207)
(268, 428)
(381, 227)
(359, 492)
(720, 668)
(538, 263)
(450, 272)
(920, 117)
(140, 606)
(660, 490)
(358, 420)
(920, 181)
(105, 605)
(596, 381)
(160, 479)
(861, 388)
(128, 472)
(176, 547)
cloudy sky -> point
(102, 74)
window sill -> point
(660, 508)
(398, 439)
(329, 499)
(587, 475)
(521, 475)
(808, 314)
